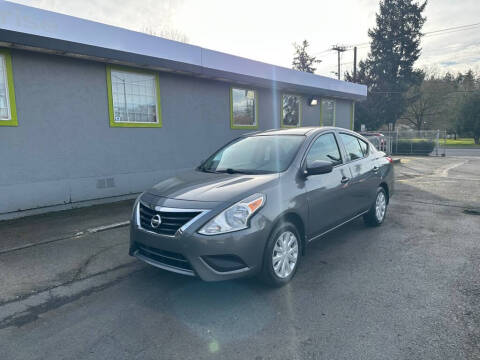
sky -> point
(265, 30)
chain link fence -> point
(411, 142)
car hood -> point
(200, 186)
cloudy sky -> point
(266, 29)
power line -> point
(443, 31)
(453, 28)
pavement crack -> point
(81, 269)
(34, 312)
(410, 200)
(67, 283)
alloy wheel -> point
(380, 206)
(285, 254)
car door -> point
(327, 194)
(363, 184)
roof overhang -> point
(34, 29)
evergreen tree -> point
(389, 70)
(470, 116)
(302, 61)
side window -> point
(352, 146)
(364, 147)
(327, 113)
(243, 108)
(325, 148)
(8, 111)
(291, 111)
(134, 97)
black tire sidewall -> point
(268, 274)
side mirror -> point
(319, 167)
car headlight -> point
(235, 217)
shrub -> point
(413, 146)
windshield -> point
(255, 155)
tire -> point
(374, 217)
(273, 273)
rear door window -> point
(352, 146)
(364, 146)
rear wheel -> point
(282, 255)
(377, 212)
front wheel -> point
(376, 214)
(282, 255)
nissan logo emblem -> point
(156, 221)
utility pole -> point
(354, 64)
(339, 49)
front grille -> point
(167, 258)
(171, 221)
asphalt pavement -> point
(407, 290)
(451, 151)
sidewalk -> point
(31, 230)
(60, 251)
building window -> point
(327, 113)
(291, 111)
(243, 108)
(134, 97)
(8, 111)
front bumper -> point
(211, 258)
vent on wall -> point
(105, 183)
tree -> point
(389, 70)
(426, 104)
(302, 61)
(470, 116)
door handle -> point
(375, 168)
(344, 180)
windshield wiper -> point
(248, 172)
(233, 171)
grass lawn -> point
(460, 142)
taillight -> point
(390, 160)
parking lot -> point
(407, 290)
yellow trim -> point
(300, 111)
(13, 121)
(243, 127)
(110, 98)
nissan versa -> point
(254, 205)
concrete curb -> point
(27, 309)
(68, 236)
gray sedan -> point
(254, 205)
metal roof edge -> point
(25, 25)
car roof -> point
(306, 131)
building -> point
(91, 112)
